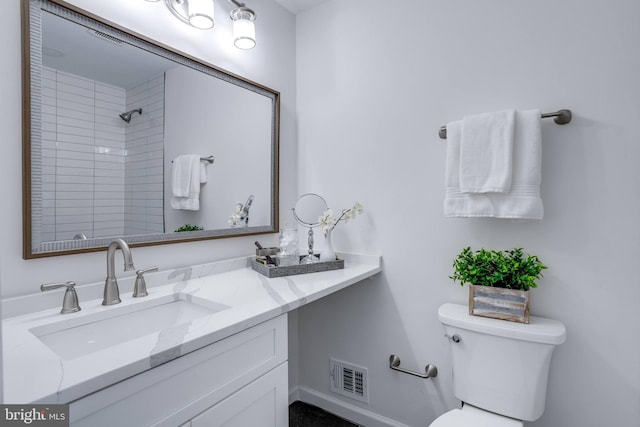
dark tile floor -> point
(305, 415)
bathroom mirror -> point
(307, 212)
(106, 112)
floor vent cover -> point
(349, 380)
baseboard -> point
(341, 408)
(294, 394)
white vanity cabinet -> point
(262, 403)
(238, 381)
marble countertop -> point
(33, 373)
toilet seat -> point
(470, 416)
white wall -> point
(271, 63)
(235, 128)
(375, 83)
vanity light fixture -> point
(244, 30)
(197, 13)
(201, 13)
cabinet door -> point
(263, 403)
(170, 394)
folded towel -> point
(486, 152)
(185, 182)
(452, 167)
(523, 199)
(203, 173)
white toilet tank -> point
(501, 366)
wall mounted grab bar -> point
(561, 117)
(430, 370)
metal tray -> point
(291, 270)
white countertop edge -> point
(40, 301)
(59, 381)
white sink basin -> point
(84, 334)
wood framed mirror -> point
(107, 113)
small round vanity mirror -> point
(307, 212)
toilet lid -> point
(473, 417)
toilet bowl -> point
(470, 416)
(500, 367)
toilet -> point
(500, 368)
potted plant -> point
(499, 281)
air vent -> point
(349, 380)
(105, 37)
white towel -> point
(203, 172)
(523, 199)
(185, 182)
(452, 166)
(486, 152)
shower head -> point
(127, 116)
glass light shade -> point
(201, 13)
(244, 34)
(244, 31)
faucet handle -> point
(140, 288)
(70, 302)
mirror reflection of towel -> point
(186, 177)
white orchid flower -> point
(236, 215)
(233, 219)
(327, 221)
(356, 209)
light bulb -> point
(201, 13)
(244, 34)
(244, 30)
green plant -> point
(188, 227)
(512, 269)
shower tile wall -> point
(84, 157)
(144, 136)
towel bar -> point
(209, 159)
(430, 370)
(561, 117)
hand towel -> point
(185, 182)
(523, 199)
(203, 172)
(452, 166)
(486, 150)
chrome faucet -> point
(111, 291)
(70, 302)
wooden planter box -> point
(499, 303)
